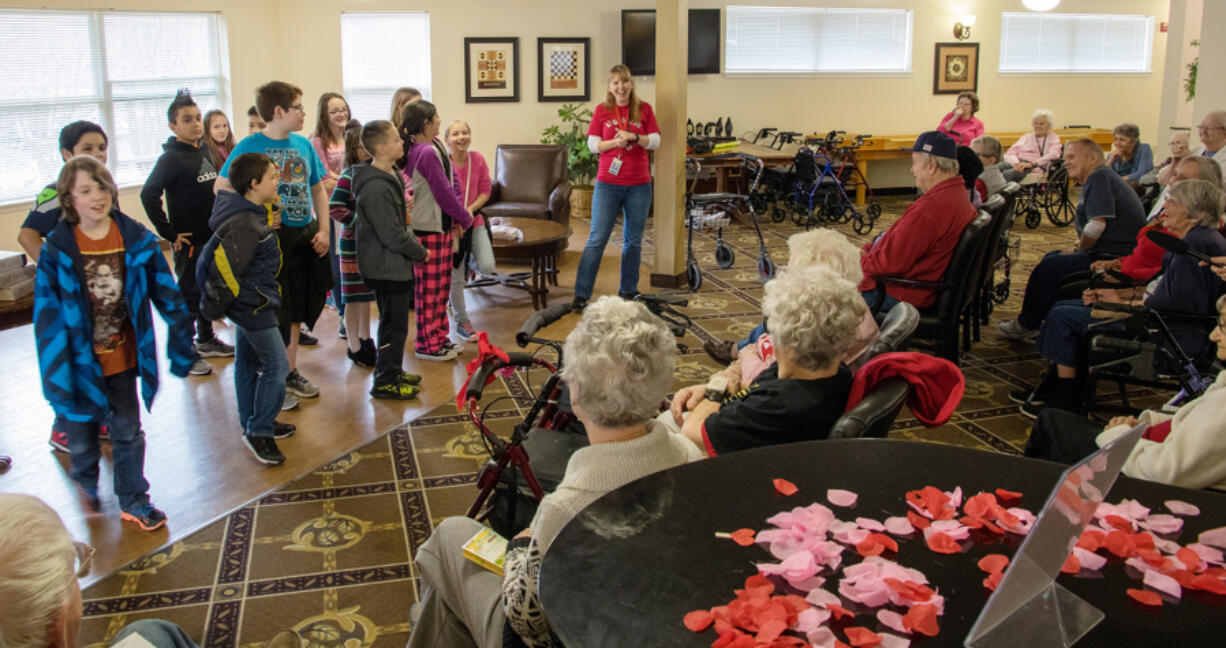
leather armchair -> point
(530, 181)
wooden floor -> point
(195, 461)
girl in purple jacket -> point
(437, 215)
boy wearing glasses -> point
(304, 276)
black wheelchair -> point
(1050, 196)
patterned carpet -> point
(329, 555)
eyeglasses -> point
(339, 111)
(298, 107)
(1203, 127)
(85, 557)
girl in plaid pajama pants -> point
(437, 208)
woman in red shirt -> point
(623, 129)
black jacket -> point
(186, 174)
(383, 240)
(237, 269)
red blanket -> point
(937, 384)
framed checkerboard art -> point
(564, 69)
(491, 70)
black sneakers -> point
(283, 430)
(264, 449)
(366, 355)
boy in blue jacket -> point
(237, 275)
(97, 274)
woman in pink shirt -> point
(961, 123)
(473, 176)
(1034, 151)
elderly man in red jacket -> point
(921, 243)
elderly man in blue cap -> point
(921, 243)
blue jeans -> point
(260, 368)
(888, 301)
(1043, 286)
(127, 443)
(607, 201)
(757, 332)
(1063, 336)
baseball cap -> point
(935, 143)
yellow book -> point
(487, 549)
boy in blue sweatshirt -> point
(98, 273)
(237, 274)
(185, 174)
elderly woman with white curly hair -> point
(814, 314)
(619, 366)
(817, 247)
(40, 598)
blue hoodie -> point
(237, 269)
(63, 320)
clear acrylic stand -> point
(1029, 609)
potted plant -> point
(581, 163)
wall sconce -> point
(962, 28)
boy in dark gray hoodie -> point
(185, 174)
(385, 247)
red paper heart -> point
(743, 537)
(785, 487)
(698, 620)
(1145, 597)
(862, 637)
(994, 563)
(942, 543)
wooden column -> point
(672, 48)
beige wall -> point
(299, 41)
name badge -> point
(616, 166)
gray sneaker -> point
(201, 368)
(299, 386)
(1013, 330)
(291, 401)
(214, 348)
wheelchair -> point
(1050, 196)
(521, 470)
(1146, 353)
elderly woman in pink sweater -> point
(961, 124)
(1035, 150)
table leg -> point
(861, 188)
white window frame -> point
(104, 96)
(349, 89)
(1145, 21)
(730, 70)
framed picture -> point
(564, 72)
(956, 68)
(491, 69)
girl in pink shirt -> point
(473, 176)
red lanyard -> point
(617, 115)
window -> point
(117, 69)
(807, 40)
(1075, 43)
(381, 52)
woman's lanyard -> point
(1043, 145)
(621, 125)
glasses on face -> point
(338, 111)
(1203, 128)
(85, 557)
(298, 107)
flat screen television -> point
(639, 41)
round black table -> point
(626, 570)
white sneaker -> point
(201, 368)
(442, 355)
(1013, 330)
(291, 401)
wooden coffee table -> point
(543, 240)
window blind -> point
(809, 40)
(380, 52)
(1076, 43)
(118, 69)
